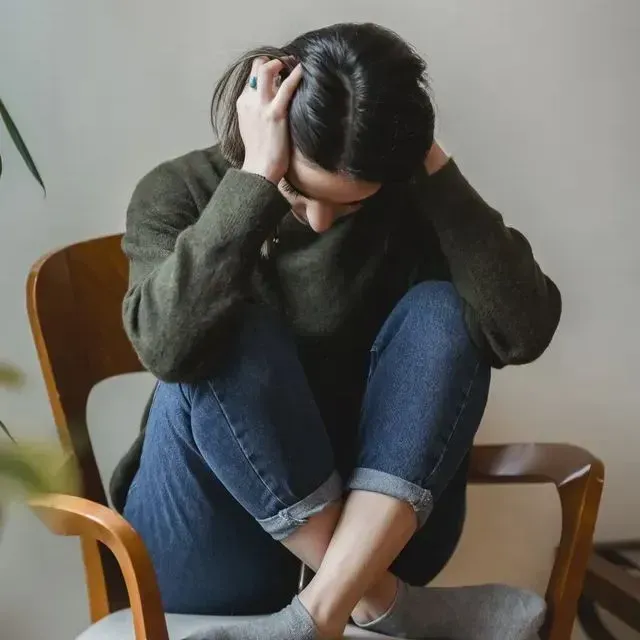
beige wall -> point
(538, 101)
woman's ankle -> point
(329, 614)
(377, 601)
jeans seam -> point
(456, 422)
(244, 453)
(374, 358)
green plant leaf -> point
(20, 144)
(35, 468)
(4, 427)
(21, 472)
(0, 166)
(10, 376)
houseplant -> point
(27, 468)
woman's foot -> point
(482, 612)
(292, 623)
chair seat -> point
(119, 626)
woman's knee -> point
(431, 313)
(438, 292)
(435, 307)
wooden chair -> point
(74, 300)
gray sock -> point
(487, 612)
(292, 623)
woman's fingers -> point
(256, 64)
(269, 87)
(267, 74)
(263, 125)
(289, 62)
(288, 88)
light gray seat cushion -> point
(119, 626)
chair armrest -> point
(73, 516)
(579, 478)
(530, 463)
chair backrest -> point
(74, 300)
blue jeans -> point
(232, 464)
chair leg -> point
(306, 575)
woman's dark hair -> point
(362, 107)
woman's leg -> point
(209, 554)
(431, 548)
(424, 402)
(230, 465)
(425, 398)
(426, 394)
(425, 554)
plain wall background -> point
(539, 103)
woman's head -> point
(362, 108)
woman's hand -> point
(436, 159)
(263, 119)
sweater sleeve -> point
(512, 308)
(189, 270)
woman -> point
(322, 297)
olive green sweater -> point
(195, 228)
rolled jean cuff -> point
(290, 519)
(380, 482)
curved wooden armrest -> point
(531, 463)
(74, 516)
(579, 478)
